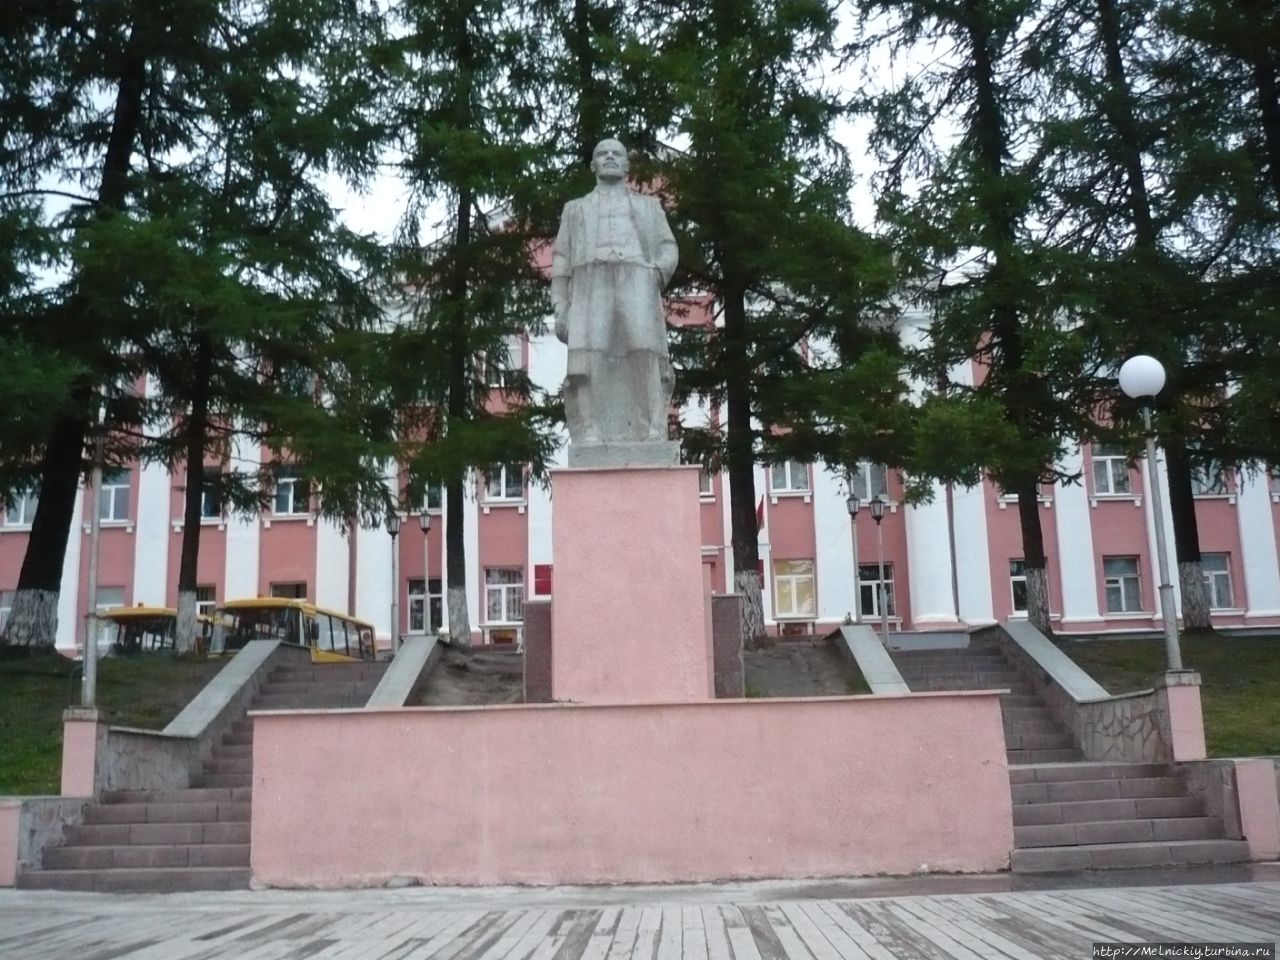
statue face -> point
(609, 160)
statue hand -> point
(562, 323)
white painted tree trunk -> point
(747, 584)
(1195, 598)
(459, 621)
(33, 621)
(1038, 599)
(187, 628)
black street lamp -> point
(876, 506)
(851, 504)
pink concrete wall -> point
(629, 620)
(547, 794)
(1004, 537)
(1186, 721)
(10, 826)
(80, 755)
(288, 555)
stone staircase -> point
(163, 841)
(1068, 813)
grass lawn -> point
(1240, 676)
(145, 691)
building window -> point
(422, 604)
(1018, 584)
(1110, 470)
(206, 600)
(289, 591)
(433, 496)
(505, 482)
(542, 579)
(293, 494)
(6, 607)
(504, 594)
(113, 497)
(23, 512)
(789, 477)
(793, 589)
(211, 494)
(498, 373)
(1216, 568)
(1123, 586)
(870, 480)
(1273, 477)
(868, 586)
(1209, 479)
(705, 489)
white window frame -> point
(786, 584)
(870, 480)
(498, 485)
(287, 483)
(106, 599)
(1216, 570)
(1111, 457)
(209, 603)
(433, 497)
(275, 588)
(510, 595)
(789, 476)
(706, 484)
(1118, 581)
(113, 497)
(423, 595)
(22, 513)
(6, 606)
(1017, 576)
(206, 494)
(869, 580)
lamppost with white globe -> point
(1141, 378)
(876, 506)
(851, 504)
(424, 521)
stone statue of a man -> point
(613, 256)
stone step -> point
(1022, 701)
(942, 653)
(311, 701)
(983, 676)
(136, 856)
(233, 751)
(935, 685)
(222, 780)
(1038, 741)
(228, 765)
(189, 795)
(1114, 788)
(1117, 831)
(139, 880)
(1036, 726)
(1086, 770)
(200, 812)
(1111, 855)
(1079, 811)
(237, 740)
(115, 834)
(276, 687)
(330, 673)
(1053, 755)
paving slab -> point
(941, 917)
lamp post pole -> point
(89, 675)
(424, 521)
(851, 504)
(393, 528)
(877, 506)
(1141, 378)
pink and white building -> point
(951, 562)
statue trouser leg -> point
(579, 410)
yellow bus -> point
(332, 636)
(140, 629)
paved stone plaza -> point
(938, 918)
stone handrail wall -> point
(860, 643)
(415, 656)
(726, 643)
(28, 825)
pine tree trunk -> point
(740, 468)
(456, 567)
(590, 93)
(197, 427)
(1033, 556)
(1186, 537)
(33, 620)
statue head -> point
(609, 161)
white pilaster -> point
(1258, 545)
(244, 533)
(973, 555)
(766, 552)
(69, 624)
(1076, 561)
(333, 566)
(834, 545)
(151, 548)
(471, 542)
(929, 561)
(444, 557)
(548, 360)
(373, 578)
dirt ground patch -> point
(461, 678)
(809, 668)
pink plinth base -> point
(10, 824)
(1186, 721)
(661, 793)
(630, 618)
(1259, 806)
(79, 752)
